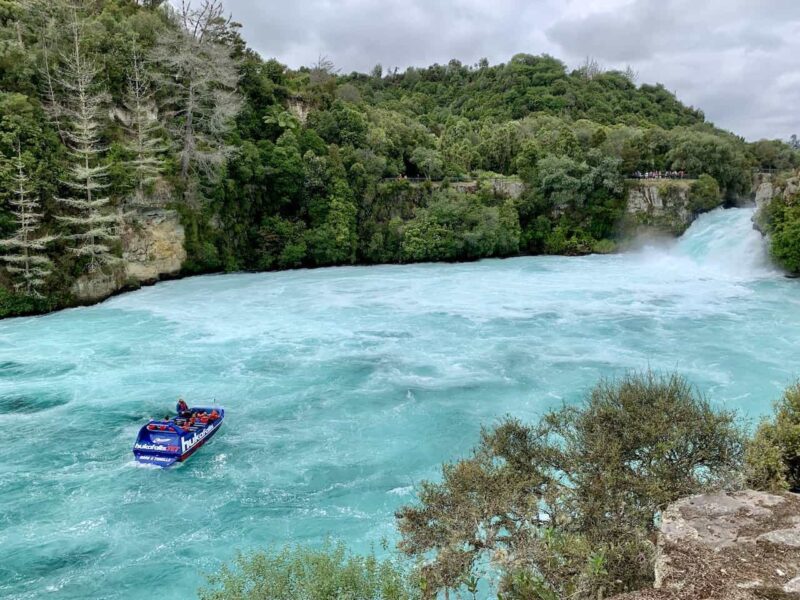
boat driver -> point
(182, 408)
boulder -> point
(99, 285)
(728, 546)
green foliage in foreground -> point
(327, 573)
(567, 508)
(773, 455)
(13, 305)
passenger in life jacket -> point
(182, 408)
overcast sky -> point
(737, 60)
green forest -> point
(125, 104)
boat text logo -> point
(188, 444)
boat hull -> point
(163, 443)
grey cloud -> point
(732, 58)
(726, 57)
(356, 34)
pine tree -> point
(49, 102)
(93, 223)
(26, 262)
(142, 125)
(44, 19)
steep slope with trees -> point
(124, 105)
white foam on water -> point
(343, 388)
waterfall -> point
(719, 244)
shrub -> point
(568, 508)
(460, 226)
(604, 247)
(773, 455)
(16, 305)
(704, 194)
(327, 573)
(785, 238)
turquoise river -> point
(344, 387)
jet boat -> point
(163, 443)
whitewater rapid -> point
(343, 388)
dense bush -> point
(704, 194)
(327, 573)
(567, 507)
(457, 226)
(785, 235)
(773, 455)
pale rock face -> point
(764, 193)
(662, 205)
(152, 248)
(153, 245)
(300, 109)
(741, 545)
(98, 286)
(768, 190)
(728, 546)
(793, 587)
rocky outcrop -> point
(739, 546)
(660, 205)
(152, 248)
(153, 245)
(299, 108)
(771, 187)
(507, 187)
(765, 191)
(98, 286)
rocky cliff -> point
(739, 546)
(660, 205)
(152, 248)
(772, 187)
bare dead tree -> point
(202, 99)
(49, 102)
(591, 68)
(631, 74)
(26, 261)
(322, 71)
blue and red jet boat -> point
(163, 443)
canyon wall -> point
(152, 249)
(661, 205)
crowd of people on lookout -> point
(659, 175)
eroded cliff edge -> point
(736, 546)
(153, 248)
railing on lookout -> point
(492, 180)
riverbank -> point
(368, 379)
(154, 244)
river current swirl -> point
(343, 388)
